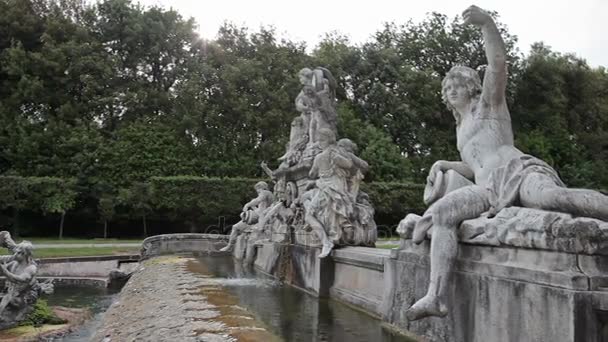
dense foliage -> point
(106, 97)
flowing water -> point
(285, 312)
(292, 314)
(94, 298)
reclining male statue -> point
(252, 215)
(500, 175)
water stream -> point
(285, 312)
(292, 314)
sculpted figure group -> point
(317, 182)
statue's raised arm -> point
(495, 78)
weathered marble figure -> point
(253, 212)
(331, 207)
(500, 175)
(22, 289)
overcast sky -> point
(577, 26)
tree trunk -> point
(105, 229)
(145, 226)
(15, 232)
(61, 225)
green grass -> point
(391, 246)
(46, 240)
(77, 252)
(394, 238)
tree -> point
(138, 198)
(52, 196)
(106, 209)
(561, 115)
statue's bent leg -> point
(8, 297)
(236, 231)
(540, 191)
(317, 226)
(447, 214)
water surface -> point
(293, 314)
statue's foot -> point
(226, 249)
(327, 247)
(427, 306)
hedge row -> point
(194, 201)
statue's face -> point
(457, 93)
(323, 141)
(304, 79)
(20, 255)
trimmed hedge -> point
(193, 201)
(201, 198)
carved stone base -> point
(504, 294)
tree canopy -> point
(109, 95)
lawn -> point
(47, 240)
(387, 246)
(77, 252)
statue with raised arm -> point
(22, 289)
(493, 173)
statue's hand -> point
(476, 16)
(310, 185)
(3, 269)
(439, 166)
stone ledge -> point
(550, 268)
(183, 243)
(366, 257)
(119, 258)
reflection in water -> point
(94, 298)
(293, 314)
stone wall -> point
(502, 294)
(182, 243)
(498, 293)
(97, 266)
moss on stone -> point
(42, 314)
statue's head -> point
(260, 186)
(459, 86)
(326, 137)
(305, 76)
(23, 251)
(348, 145)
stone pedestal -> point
(298, 266)
(504, 294)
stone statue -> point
(331, 207)
(364, 227)
(358, 169)
(290, 161)
(253, 212)
(304, 103)
(493, 173)
(323, 93)
(22, 288)
(317, 197)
